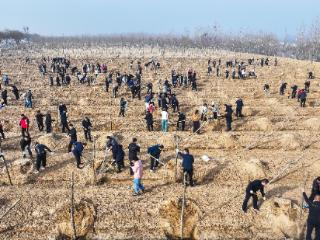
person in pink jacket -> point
(137, 169)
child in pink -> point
(137, 169)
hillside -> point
(274, 132)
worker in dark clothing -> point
(1, 131)
(107, 83)
(313, 221)
(228, 115)
(62, 107)
(86, 124)
(15, 92)
(134, 150)
(303, 98)
(73, 137)
(51, 81)
(149, 120)
(77, 152)
(64, 121)
(123, 106)
(239, 107)
(187, 165)
(154, 152)
(48, 122)
(25, 144)
(251, 191)
(112, 145)
(41, 151)
(181, 123)
(39, 119)
(120, 158)
(266, 88)
(283, 88)
(307, 86)
(310, 75)
(294, 91)
(315, 189)
(174, 103)
(4, 95)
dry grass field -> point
(275, 138)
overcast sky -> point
(77, 17)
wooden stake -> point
(93, 160)
(183, 204)
(73, 224)
(176, 161)
(6, 212)
(7, 170)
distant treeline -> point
(305, 45)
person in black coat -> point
(134, 150)
(239, 107)
(64, 121)
(294, 91)
(187, 165)
(25, 144)
(228, 115)
(283, 88)
(315, 189)
(39, 119)
(86, 124)
(15, 92)
(73, 137)
(1, 131)
(120, 158)
(313, 221)
(251, 191)
(149, 120)
(41, 151)
(4, 95)
(48, 122)
(181, 123)
(112, 145)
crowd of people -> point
(164, 100)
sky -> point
(94, 17)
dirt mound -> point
(54, 141)
(226, 141)
(24, 165)
(262, 124)
(312, 124)
(84, 217)
(290, 141)
(218, 125)
(167, 141)
(170, 213)
(283, 217)
(285, 141)
(254, 168)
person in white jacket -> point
(164, 120)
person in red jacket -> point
(24, 124)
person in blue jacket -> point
(187, 165)
(313, 221)
(120, 158)
(77, 150)
(154, 152)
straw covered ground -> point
(274, 133)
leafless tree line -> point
(306, 44)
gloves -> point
(264, 198)
(251, 191)
(52, 153)
(177, 150)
